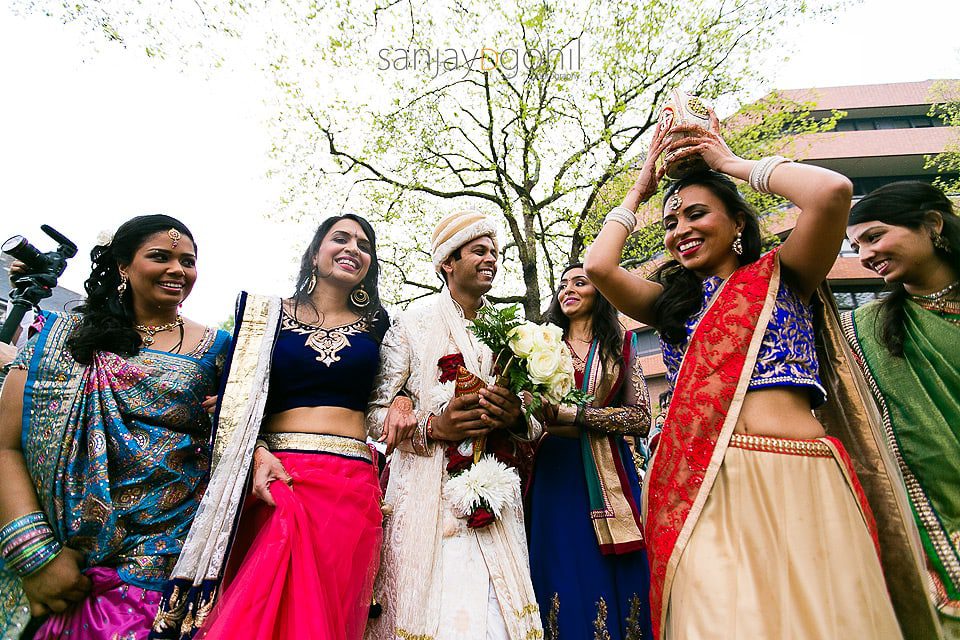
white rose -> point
(566, 361)
(559, 386)
(543, 364)
(522, 339)
(549, 334)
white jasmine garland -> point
(487, 481)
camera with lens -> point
(52, 262)
(39, 278)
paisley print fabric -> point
(119, 450)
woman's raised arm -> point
(628, 292)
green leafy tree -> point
(403, 111)
(228, 324)
(945, 96)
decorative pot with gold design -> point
(684, 109)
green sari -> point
(919, 399)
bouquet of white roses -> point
(529, 357)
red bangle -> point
(430, 427)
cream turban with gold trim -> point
(457, 229)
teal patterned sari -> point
(118, 452)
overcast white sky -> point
(90, 140)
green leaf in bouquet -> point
(578, 397)
(493, 325)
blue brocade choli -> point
(787, 356)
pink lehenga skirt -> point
(305, 569)
(113, 610)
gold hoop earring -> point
(359, 297)
(312, 282)
(122, 287)
(738, 244)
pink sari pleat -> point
(113, 609)
(309, 567)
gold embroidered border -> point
(327, 342)
(406, 635)
(530, 610)
(169, 616)
(789, 446)
(238, 389)
(317, 442)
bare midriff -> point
(336, 421)
(782, 412)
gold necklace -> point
(939, 295)
(153, 329)
(579, 364)
(938, 301)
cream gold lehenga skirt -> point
(780, 552)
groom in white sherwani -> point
(441, 579)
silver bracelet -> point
(764, 178)
(760, 173)
(623, 216)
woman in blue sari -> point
(587, 554)
(104, 443)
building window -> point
(852, 299)
(648, 342)
(846, 250)
(889, 122)
(863, 186)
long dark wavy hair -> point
(906, 204)
(301, 294)
(106, 318)
(604, 319)
(682, 288)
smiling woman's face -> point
(344, 254)
(699, 234)
(576, 294)
(161, 274)
(896, 253)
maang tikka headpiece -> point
(175, 236)
(675, 202)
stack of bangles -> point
(760, 173)
(27, 544)
(624, 216)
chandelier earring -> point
(738, 244)
(312, 282)
(122, 287)
(359, 297)
(939, 242)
